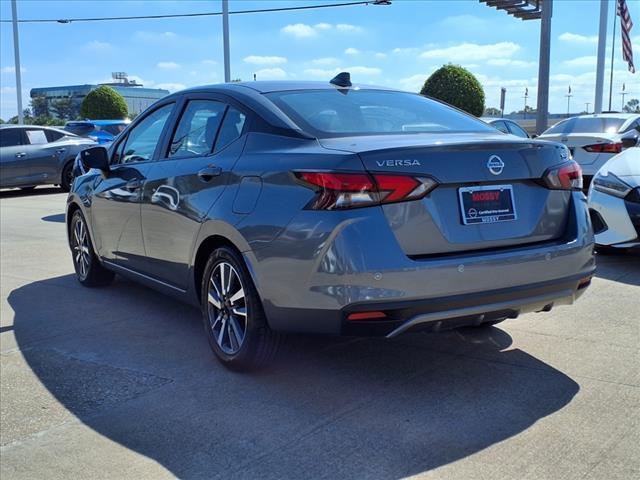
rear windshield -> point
(79, 128)
(587, 125)
(114, 128)
(331, 113)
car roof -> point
(623, 115)
(267, 86)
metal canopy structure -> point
(534, 10)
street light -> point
(16, 57)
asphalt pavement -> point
(119, 382)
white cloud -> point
(209, 62)
(577, 38)
(271, 74)
(325, 61)
(322, 26)
(346, 27)
(265, 60)
(473, 52)
(97, 46)
(299, 30)
(380, 55)
(12, 70)
(415, 82)
(588, 61)
(351, 51)
(172, 87)
(167, 65)
(506, 62)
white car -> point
(614, 201)
(594, 139)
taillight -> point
(604, 148)
(352, 190)
(567, 176)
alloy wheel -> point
(227, 308)
(81, 256)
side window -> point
(36, 137)
(500, 125)
(53, 135)
(517, 130)
(144, 137)
(10, 137)
(197, 129)
(231, 128)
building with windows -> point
(64, 102)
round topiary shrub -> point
(456, 86)
(104, 103)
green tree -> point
(40, 106)
(492, 112)
(456, 86)
(632, 106)
(64, 108)
(104, 103)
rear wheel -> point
(67, 177)
(232, 313)
(89, 270)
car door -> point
(115, 208)
(14, 167)
(182, 186)
(44, 156)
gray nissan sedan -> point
(330, 208)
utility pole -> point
(225, 39)
(568, 95)
(587, 105)
(602, 44)
(623, 93)
(526, 95)
(613, 51)
(542, 113)
(16, 57)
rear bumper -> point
(316, 272)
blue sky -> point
(397, 45)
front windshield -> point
(587, 125)
(333, 112)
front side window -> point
(197, 129)
(142, 140)
(36, 137)
(333, 112)
(10, 137)
(500, 125)
(517, 130)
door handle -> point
(207, 173)
(21, 154)
(133, 185)
(61, 150)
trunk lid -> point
(435, 224)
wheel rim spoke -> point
(242, 311)
(227, 308)
(237, 331)
(239, 295)
(215, 301)
(222, 329)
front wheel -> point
(89, 270)
(67, 177)
(232, 313)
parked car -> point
(101, 131)
(593, 139)
(32, 155)
(506, 126)
(283, 207)
(614, 202)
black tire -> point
(89, 270)
(28, 189)
(237, 348)
(67, 176)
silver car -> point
(32, 155)
(330, 208)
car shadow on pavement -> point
(17, 192)
(135, 367)
(619, 267)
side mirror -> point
(95, 157)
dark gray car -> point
(31, 155)
(329, 208)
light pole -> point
(587, 105)
(16, 56)
(623, 93)
(568, 95)
(602, 43)
(225, 39)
